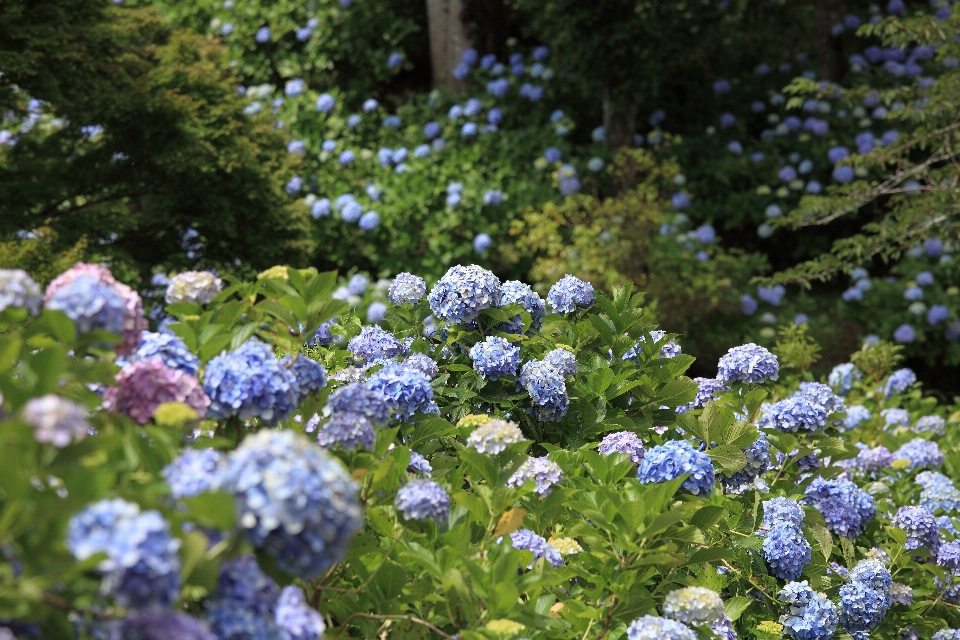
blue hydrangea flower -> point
(423, 500)
(542, 471)
(293, 500)
(232, 621)
(250, 382)
(822, 394)
(810, 615)
(419, 464)
(463, 292)
(931, 424)
(152, 624)
(748, 363)
(357, 398)
(296, 617)
(781, 510)
(91, 304)
(786, 551)
(373, 343)
(570, 292)
(899, 381)
(516, 292)
(843, 376)
(562, 360)
(845, 507)
(895, 418)
(938, 491)
(707, 389)
(920, 453)
(855, 415)
(527, 540)
(422, 363)
(310, 374)
(195, 471)
(492, 437)
(406, 288)
(865, 600)
(693, 606)
(142, 568)
(407, 390)
(675, 458)
(758, 462)
(348, 430)
(546, 388)
(921, 527)
(669, 350)
(870, 460)
(325, 103)
(19, 291)
(244, 604)
(657, 628)
(796, 414)
(623, 442)
(495, 357)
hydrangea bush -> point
(339, 492)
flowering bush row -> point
(481, 463)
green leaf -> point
(740, 435)
(712, 554)
(677, 392)
(215, 509)
(825, 539)
(707, 516)
(735, 606)
(730, 459)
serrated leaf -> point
(677, 392)
(510, 521)
(730, 459)
(735, 606)
(824, 538)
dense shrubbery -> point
(509, 468)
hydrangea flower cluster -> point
(669, 350)
(657, 628)
(796, 414)
(865, 600)
(781, 510)
(56, 420)
(562, 360)
(195, 471)
(19, 291)
(810, 615)
(407, 390)
(899, 381)
(543, 472)
(546, 388)
(693, 606)
(309, 374)
(373, 344)
(154, 624)
(195, 287)
(855, 415)
(569, 293)
(527, 540)
(495, 357)
(758, 463)
(145, 385)
(406, 288)
(938, 492)
(870, 460)
(493, 436)
(707, 390)
(786, 550)
(845, 507)
(142, 568)
(895, 418)
(419, 464)
(91, 304)
(293, 500)
(748, 363)
(843, 376)
(516, 292)
(250, 383)
(463, 292)
(822, 395)
(422, 363)
(170, 348)
(931, 424)
(921, 527)
(920, 453)
(673, 459)
(296, 617)
(623, 442)
(423, 500)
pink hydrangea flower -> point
(145, 385)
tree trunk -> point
(829, 13)
(448, 40)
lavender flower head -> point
(349, 431)
(543, 472)
(145, 385)
(250, 382)
(845, 507)
(623, 442)
(657, 628)
(296, 617)
(359, 399)
(423, 500)
(309, 374)
(422, 363)
(293, 500)
(855, 415)
(406, 288)
(407, 390)
(931, 424)
(920, 453)
(748, 363)
(527, 540)
(515, 292)
(821, 394)
(170, 348)
(899, 381)
(91, 304)
(495, 357)
(56, 420)
(895, 418)
(195, 471)
(920, 526)
(870, 460)
(797, 414)
(373, 344)
(569, 293)
(492, 437)
(152, 624)
(546, 388)
(19, 291)
(675, 458)
(195, 287)
(463, 292)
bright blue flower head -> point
(250, 383)
(195, 471)
(796, 414)
(495, 357)
(374, 343)
(481, 242)
(562, 360)
(463, 292)
(358, 399)
(170, 348)
(516, 292)
(862, 607)
(781, 510)
(707, 390)
(845, 507)
(91, 304)
(527, 540)
(570, 292)
(675, 458)
(921, 527)
(423, 500)
(786, 551)
(855, 415)
(407, 390)
(810, 615)
(920, 453)
(293, 500)
(748, 363)
(546, 388)
(899, 381)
